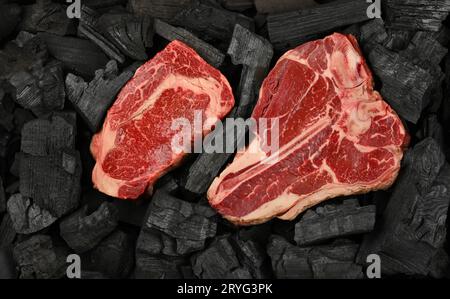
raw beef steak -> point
(134, 147)
(336, 137)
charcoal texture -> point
(9, 18)
(162, 9)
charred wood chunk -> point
(431, 127)
(40, 257)
(425, 50)
(26, 216)
(161, 9)
(417, 14)
(211, 54)
(7, 232)
(372, 32)
(334, 220)
(77, 55)
(52, 181)
(278, 6)
(48, 17)
(41, 137)
(237, 5)
(94, 99)
(287, 30)
(411, 234)
(83, 231)
(398, 39)
(114, 256)
(2, 197)
(7, 265)
(322, 262)
(40, 90)
(104, 3)
(9, 18)
(188, 224)
(210, 21)
(157, 267)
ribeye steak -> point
(134, 147)
(336, 137)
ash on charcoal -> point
(212, 55)
(255, 54)
(229, 258)
(39, 257)
(83, 231)
(77, 55)
(26, 216)
(114, 255)
(320, 262)
(185, 226)
(9, 18)
(7, 266)
(161, 9)
(416, 14)
(94, 99)
(287, 30)
(334, 220)
(47, 16)
(7, 232)
(210, 21)
(279, 6)
(410, 235)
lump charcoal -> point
(189, 224)
(40, 257)
(334, 220)
(83, 231)
(41, 137)
(372, 32)
(21, 117)
(278, 6)
(237, 5)
(431, 128)
(41, 90)
(425, 48)
(88, 27)
(154, 267)
(398, 39)
(7, 266)
(252, 256)
(7, 232)
(161, 9)
(154, 242)
(405, 86)
(320, 262)
(104, 3)
(212, 55)
(26, 216)
(412, 230)
(77, 55)
(47, 16)
(15, 166)
(255, 54)
(416, 14)
(287, 30)
(2, 197)
(210, 21)
(52, 181)
(131, 212)
(94, 99)
(9, 18)
(114, 256)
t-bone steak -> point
(336, 137)
(134, 147)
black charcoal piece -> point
(431, 127)
(416, 14)
(161, 9)
(425, 50)
(93, 100)
(21, 117)
(410, 236)
(104, 3)
(237, 5)
(9, 18)
(372, 32)
(2, 197)
(405, 86)
(321, 262)
(187, 223)
(334, 220)
(77, 55)
(212, 55)
(47, 16)
(41, 137)
(7, 265)
(52, 181)
(39, 257)
(82, 232)
(255, 54)
(7, 232)
(114, 256)
(15, 166)
(40, 90)
(156, 267)
(398, 39)
(210, 21)
(278, 6)
(131, 212)
(252, 256)
(287, 30)
(26, 216)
